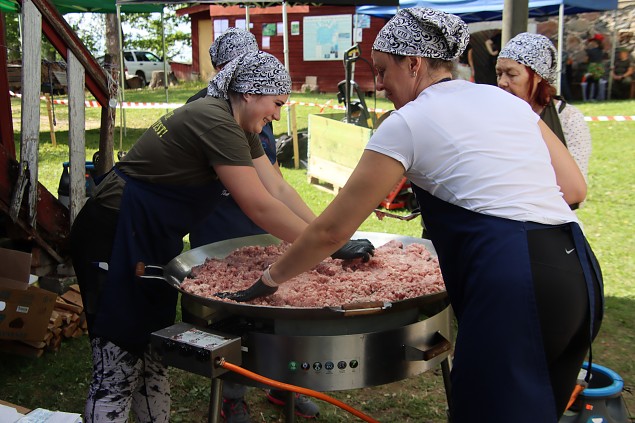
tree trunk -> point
(106, 143)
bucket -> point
(601, 401)
(63, 189)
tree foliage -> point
(12, 37)
(141, 31)
(146, 33)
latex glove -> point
(258, 289)
(355, 248)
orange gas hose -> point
(280, 385)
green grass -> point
(59, 380)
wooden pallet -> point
(324, 185)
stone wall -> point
(618, 25)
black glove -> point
(258, 289)
(355, 248)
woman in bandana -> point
(171, 179)
(527, 68)
(228, 221)
(522, 280)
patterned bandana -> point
(423, 32)
(251, 73)
(534, 51)
(230, 44)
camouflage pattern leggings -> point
(124, 382)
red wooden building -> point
(266, 23)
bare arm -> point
(568, 175)
(267, 211)
(271, 177)
(489, 44)
(374, 176)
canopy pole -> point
(165, 60)
(560, 48)
(122, 81)
(515, 17)
(285, 49)
(614, 47)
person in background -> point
(565, 76)
(622, 74)
(463, 68)
(522, 280)
(595, 67)
(228, 221)
(482, 60)
(527, 68)
(140, 212)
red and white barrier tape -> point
(609, 118)
(136, 105)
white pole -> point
(165, 59)
(560, 48)
(122, 80)
(614, 47)
(285, 50)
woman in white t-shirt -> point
(522, 280)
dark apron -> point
(153, 220)
(499, 363)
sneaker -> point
(235, 411)
(304, 407)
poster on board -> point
(327, 37)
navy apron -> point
(153, 219)
(486, 268)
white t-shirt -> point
(477, 147)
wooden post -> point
(76, 134)
(30, 125)
(294, 135)
(50, 114)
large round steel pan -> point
(180, 267)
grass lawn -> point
(59, 380)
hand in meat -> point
(355, 248)
(257, 290)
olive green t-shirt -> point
(181, 148)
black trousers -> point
(92, 237)
(563, 307)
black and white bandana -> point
(534, 51)
(230, 44)
(251, 73)
(418, 31)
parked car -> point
(141, 63)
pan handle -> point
(441, 345)
(364, 307)
(142, 271)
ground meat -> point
(394, 273)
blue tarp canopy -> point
(492, 10)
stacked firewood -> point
(67, 319)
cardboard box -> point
(24, 310)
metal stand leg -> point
(289, 407)
(446, 366)
(215, 400)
